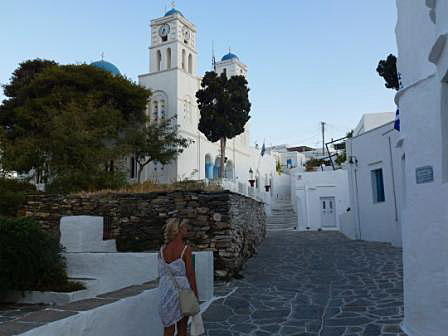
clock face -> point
(164, 30)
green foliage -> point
(388, 70)
(224, 106)
(67, 120)
(278, 167)
(341, 158)
(311, 164)
(30, 259)
(156, 141)
(12, 195)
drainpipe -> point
(357, 203)
(393, 180)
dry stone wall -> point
(231, 225)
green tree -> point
(156, 141)
(224, 106)
(388, 70)
(68, 121)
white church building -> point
(174, 81)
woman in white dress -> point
(176, 257)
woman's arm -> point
(188, 258)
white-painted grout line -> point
(207, 304)
(330, 297)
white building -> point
(421, 32)
(372, 120)
(174, 81)
(375, 181)
(288, 157)
(319, 199)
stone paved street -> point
(313, 284)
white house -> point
(372, 120)
(319, 198)
(289, 157)
(375, 171)
(421, 33)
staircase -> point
(283, 216)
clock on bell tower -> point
(173, 43)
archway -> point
(208, 167)
(217, 168)
(229, 170)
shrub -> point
(30, 258)
(78, 181)
(12, 195)
(150, 186)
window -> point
(184, 59)
(159, 60)
(289, 163)
(156, 111)
(190, 63)
(224, 71)
(378, 186)
(168, 58)
(133, 167)
(162, 109)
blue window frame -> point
(378, 186)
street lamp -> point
(251, 177)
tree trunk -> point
(223, 155)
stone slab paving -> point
(313, 284)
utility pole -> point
(323, 137)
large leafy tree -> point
(388, 70)
(224, 106)
(68, 121)
(156, 141)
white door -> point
(328, 212)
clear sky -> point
(309, 60)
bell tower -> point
(173, 43)
(231, 65)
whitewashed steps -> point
(283, 217)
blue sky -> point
(309, 61)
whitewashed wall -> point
(136, 316)
(423, 110)
(371, 150)
(310, 187)
(281, 190)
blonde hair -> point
(171, 229)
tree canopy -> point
(157, 141)
(224, 106)
(388, 70)
(68, 121)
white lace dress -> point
(169, 307)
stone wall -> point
(231, 225)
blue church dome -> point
(106, 66)
(229, 56)
(173, 11)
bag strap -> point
(182, 255)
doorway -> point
(328, 212)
